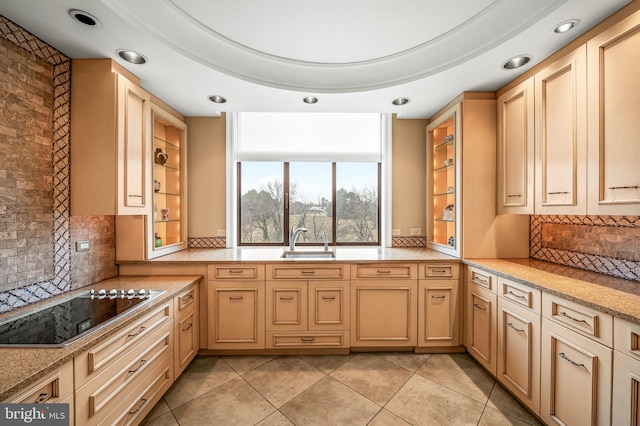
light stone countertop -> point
(615, 296)
(22, 366)
(360, 254)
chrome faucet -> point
(323, 235)
(293, 236)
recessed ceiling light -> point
(310, 100)
(516, 62)
(131, 56)
(400, 101)
(217, 99)
(84, 17)
(565, 26)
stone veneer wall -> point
(606, 244)
(32, 196)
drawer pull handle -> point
(188, 327)
(514, 195)
(439, 271)
(480, 280)
(236, 297)
(308, 272)
(383, 271)
(519, 296)
(142, 404)
(236, 271)
(566, 358)
(187, 298)
(135, 195)
(143, 328)
(564, 314)
(437, 297)
(624, 187)
(286, 298)
(328, 298)
(42, 398)
(307, 339)
(557, 192)
(475, 305)
(515, 328)
(142, 362)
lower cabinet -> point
(480, 325)
(438, 313)
(186, 329)
(626, 373)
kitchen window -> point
(317, 171)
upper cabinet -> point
(110, 140)
(614, 124)
(516, 149)
(561, 136)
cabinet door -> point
(134, 145)
(286, 306)
(480, 323)
(519, 352)
(516, 149)
(438, 313)
(576, 379)
(186, 340)
(613, 93)
(328, 305)
(236, 316)
(561, 136)
(383, 313)
(626, 390)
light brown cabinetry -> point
(481, 317)
(516, 149)
(626, 374)
(186, 330)
(439, 319)
(110, 140)
(236, 296)
(384, 305)
(561, 136)
(613, 125)
(307, 306)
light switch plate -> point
(416, 231)
(221, 233)
(83, 245)
(396, 232)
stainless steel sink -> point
(309, 254)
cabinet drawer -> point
(439, 270)
(593, 324)
(307, 272)
(186, 300)
(390, 270)
(51, 389)
(338, 339)
(89, 363)
(236, 271)
(521, 294)
(99, 395)
(626, 338)
(482, 278)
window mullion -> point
(287, 202)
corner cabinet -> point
(110, 140)
(443, 182)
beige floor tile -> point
(492, 417)
(459, 373)
(409, 361)
(423, 402)
(386, 418)
(233, 403)
(242, 364)
(166, 419)
(501, 400)
(283, 378)
(329, 402)
(372, 376)
(159, 409)
(275, 419)
(327, 363)
(202, 375)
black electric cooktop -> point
(68, 320)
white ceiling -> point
(355, 56)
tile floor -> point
(355, 389)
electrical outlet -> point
(416, 231)
(221, 233)
(396, 232)
(83, 245)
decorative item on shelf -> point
(448, 162)
(451, 241)
(155, 213)
(158, 241)
(164, 214)
(160, 157)
(447, 213)
(449, 190)
(156, 185)
(448, 138)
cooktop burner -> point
(70, 319)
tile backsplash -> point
(606, 244)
